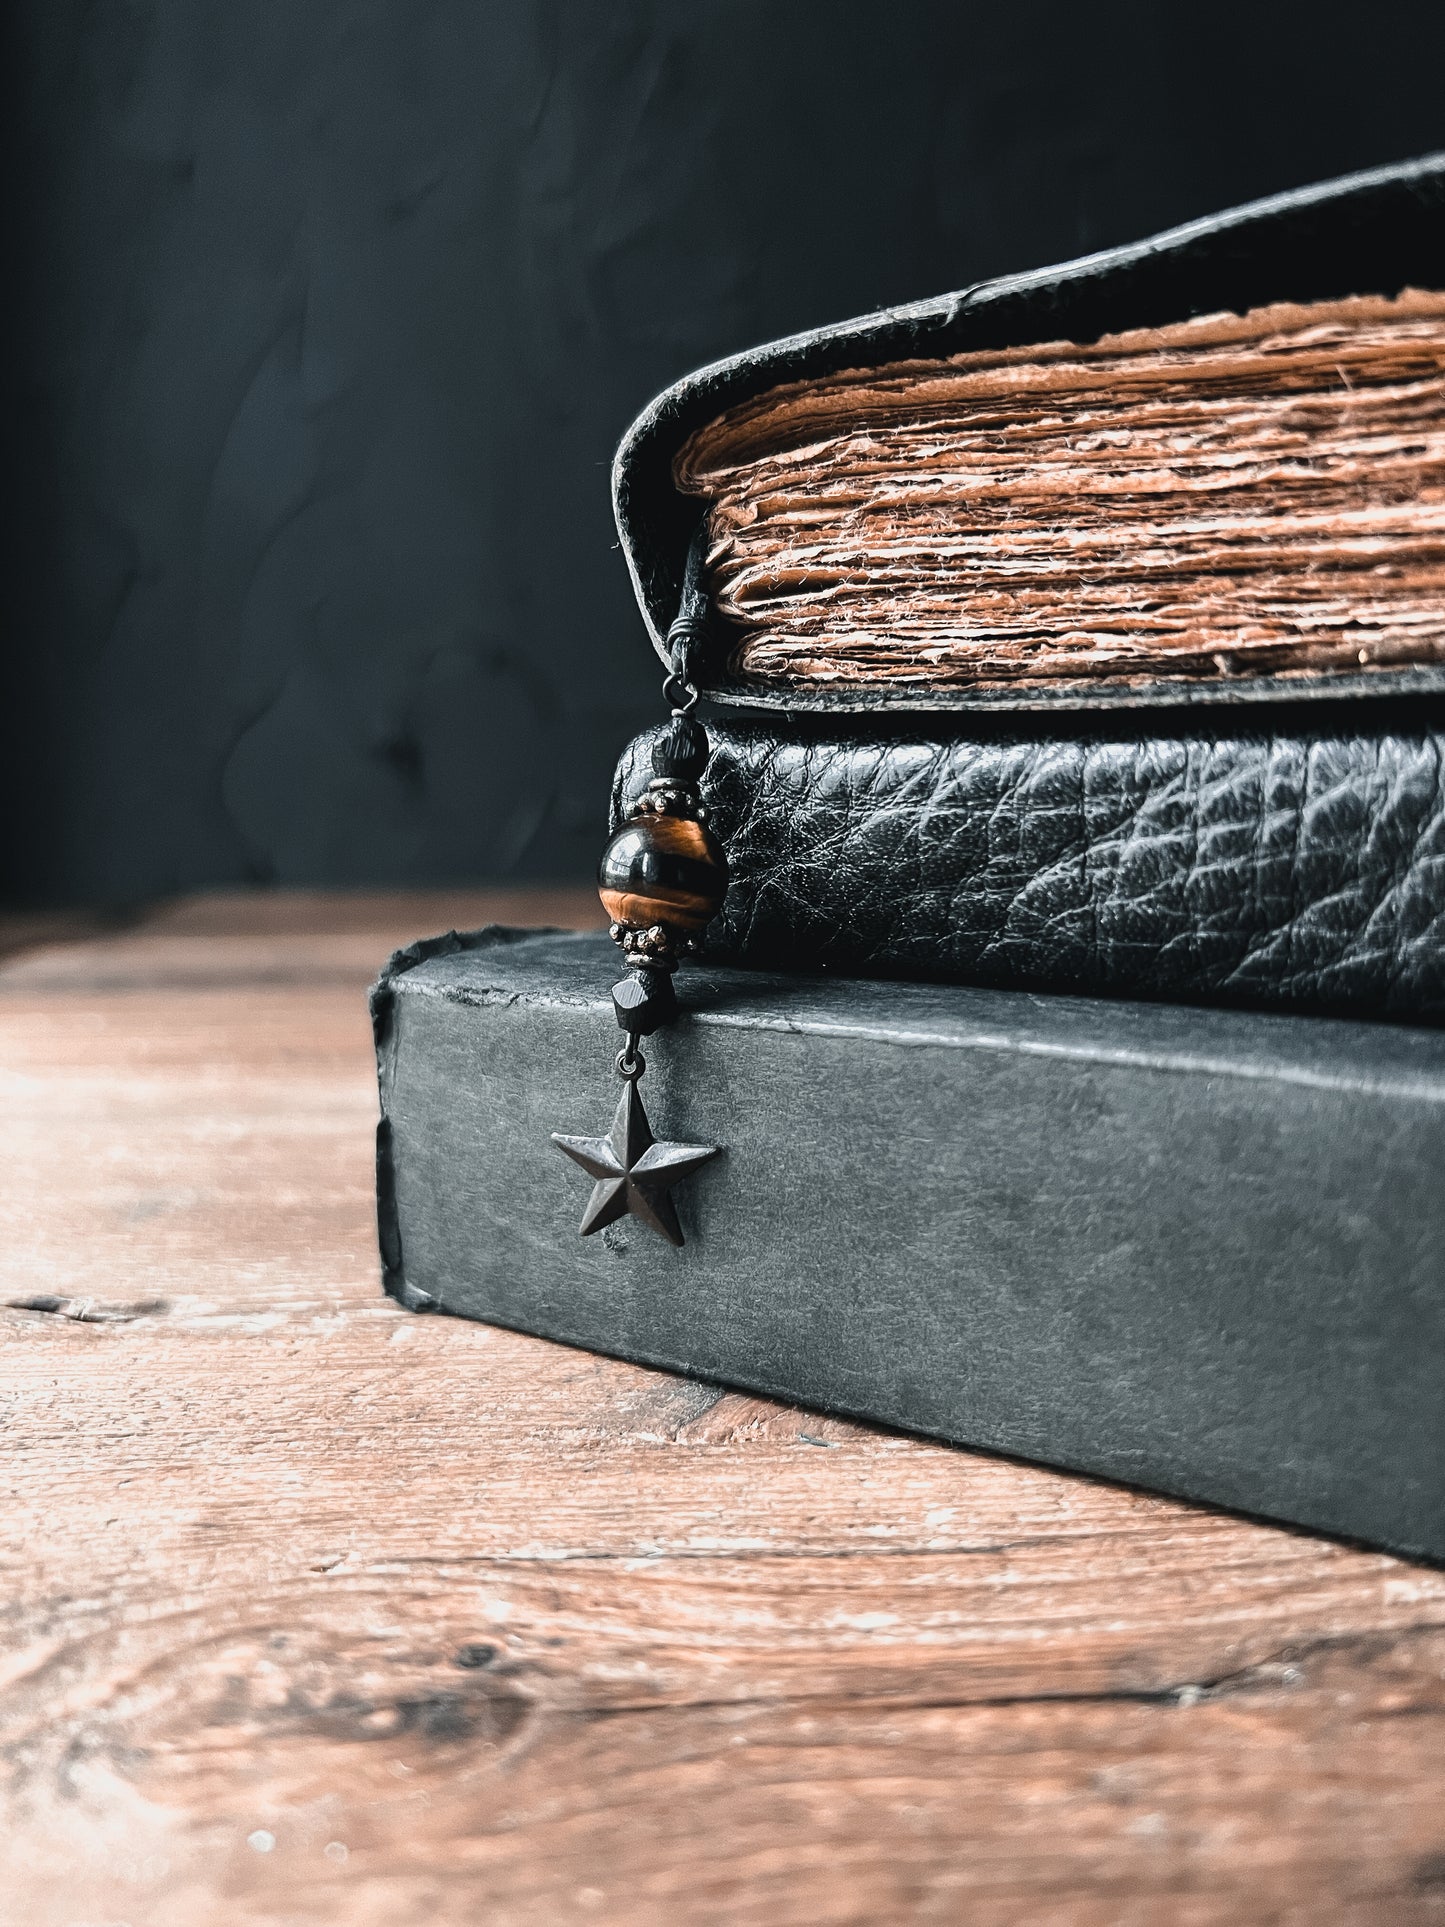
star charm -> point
(634, 1171)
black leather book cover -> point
(1299, 867)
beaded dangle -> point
(662, 879)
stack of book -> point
(1071, 1027)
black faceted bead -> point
(681, 752)
(644, 1001)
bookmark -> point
(662, 879)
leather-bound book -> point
(1091, 621)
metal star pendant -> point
(634, 1171)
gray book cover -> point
(1197, 1250)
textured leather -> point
(1292, 868)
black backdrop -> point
(327, 316)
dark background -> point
(326, 317)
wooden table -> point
(315, 1611)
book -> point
(1299, 867)
(1197, 1251)
(1202, 468)
(1218, 497)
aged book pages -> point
(1227, 496)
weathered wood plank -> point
(316, 1612)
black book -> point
(1194, 1250)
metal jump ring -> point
(630, 1062)
(680, 695)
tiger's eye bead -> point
(663, 869)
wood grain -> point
(316, 1612)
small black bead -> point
(644, 1001)
(682, 750)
